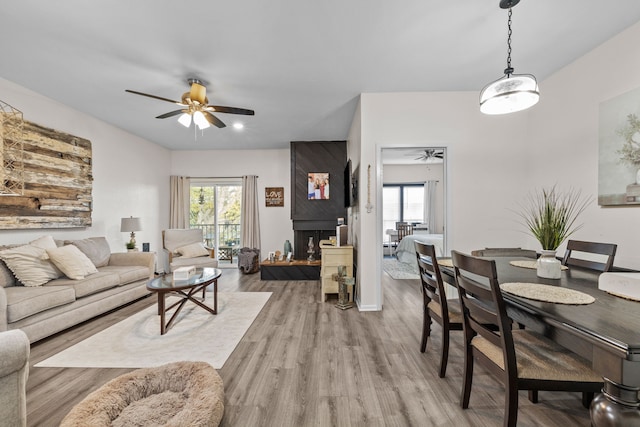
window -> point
(215, 208)
(402, 203)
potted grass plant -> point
(550, 216)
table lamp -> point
(132, 225)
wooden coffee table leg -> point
(161, 311)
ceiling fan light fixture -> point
(512, 92)
(198, 92)
(200, 120)
(185, 120)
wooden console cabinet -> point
(332, 257)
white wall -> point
(131, 175)
(494, 161)
(565, 123)
(273, 168)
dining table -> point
(606, 332)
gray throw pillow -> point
(95, 248)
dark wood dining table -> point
(606, 332)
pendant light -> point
(512, 92)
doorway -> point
(413, 192)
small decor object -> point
(318, 186)
(272, 257)
(145, 247)
(274, 196)
(287, 248)
(343, 282)
(311, 250)
(548, 266)
(551, 217)
(184, 273)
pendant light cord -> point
(508, 71)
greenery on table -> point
(550, 215)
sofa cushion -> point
(193, 250)
(24, 301)
(203, 261)
(95, 248)
(127, 273)
(27, 264)
(91, 284)
(73, 263)
(6, 277)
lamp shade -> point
(509, 94)
(130, 224)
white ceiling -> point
(300, 64)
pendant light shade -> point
(185, 120)
(512, 92)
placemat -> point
(445, 262)
(547, 293)
(530, 264)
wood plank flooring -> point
(304, 362)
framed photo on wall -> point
(318, 186)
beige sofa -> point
(14, 370)
(41, 310)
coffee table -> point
(185, 289)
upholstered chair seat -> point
(185, 247)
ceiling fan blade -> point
(231, 110)
(171, 114)
(153, 96)
(213, 119)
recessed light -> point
(238, 125)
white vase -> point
(548, 265)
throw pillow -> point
(193, 250)
(44, 242)
(95, 248)
(27, 264)
(72, 262)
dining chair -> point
(404, 230)
(606, 249)
(521, 359)
(435, 305)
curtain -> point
(430, 205)
(179, 202)
(250, 229)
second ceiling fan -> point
(196, 106)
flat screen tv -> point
(348, 199)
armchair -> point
(14, 370)
(184, 247)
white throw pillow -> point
(29, 264)
(72, 262)
(44, 242)
(193, 250)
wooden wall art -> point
(57, 173)
(274, 196)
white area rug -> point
(195, 335)
(400, 270)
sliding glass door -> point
(215, 208)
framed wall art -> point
(274, 196)
(619, 150)
(318, 186)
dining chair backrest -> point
(435, 304)
(404, 230)
(508, 252)
(483, 308)
(606, 249)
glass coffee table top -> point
(166, 282)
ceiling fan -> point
(431, 155)
(196, 106)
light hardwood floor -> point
(304, 362)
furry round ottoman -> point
(175, 394)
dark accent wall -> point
(316, 218)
